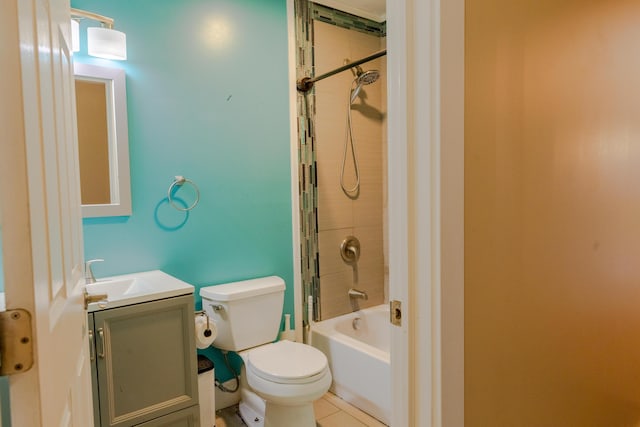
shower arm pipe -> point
(306, 83)
(104, 20)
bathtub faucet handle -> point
(350, 249)
(356, 293)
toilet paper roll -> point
(203, 338)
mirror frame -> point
(119, 173)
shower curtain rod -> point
(306, 83)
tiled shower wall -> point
(338, 215)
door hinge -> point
(395, 312)
(16, 342)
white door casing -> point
(402, 381)
(426, 209)
(40, 193)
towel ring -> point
(180, 181)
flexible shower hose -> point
(350, 139)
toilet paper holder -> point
(207, 332)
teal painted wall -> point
(207, 97)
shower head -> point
(368, 77)
(364, 78)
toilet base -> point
(250, 417)
(252, 408)
(255, 412)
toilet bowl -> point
(279, 381)
(289, 377)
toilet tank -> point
(247, 313)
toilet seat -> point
(287, 374)
(287, 362)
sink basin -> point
(136, 288)
(116, 289)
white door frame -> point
(426, 208)
(425, 67)
(451, 148)
(403, 383)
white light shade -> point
(75, 35)
(106, 43)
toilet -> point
(279, 380)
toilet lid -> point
(287, 361)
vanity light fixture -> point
(102, 42)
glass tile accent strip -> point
(348, 21)
(307, 162)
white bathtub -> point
(359, 358)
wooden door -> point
(552, 208)
(41, 222)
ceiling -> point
(370, 9)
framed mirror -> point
(103, 141)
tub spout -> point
(355, 293)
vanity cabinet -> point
(144, 369)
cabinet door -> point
(189, 417)
(146, 360)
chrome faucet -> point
(88, 272)
(356, 293)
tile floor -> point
(331, 411)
